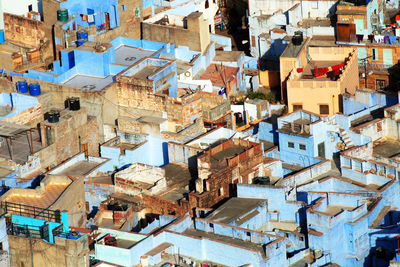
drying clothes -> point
(360, 37)
(371, 38)
(392, 39)
(90, 18)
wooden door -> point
(84, 149)
(107, 16)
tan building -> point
(191, 31)
(320, 77)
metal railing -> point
(41, 232)
(31, 211)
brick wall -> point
(26, 116)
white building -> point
(270, 21)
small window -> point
(253, 40)
(123, 7)
(380, 84)
(207, 4)
(324, 109)
(290, 145)
(379, 126)
(297, 107)
(211, 225)
(30, 8)
(302, 147)
(248, 233)
(374, 53)
(220, 192)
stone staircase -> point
(343, 134)
(345, 138)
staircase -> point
(345, 138)
(343, 134)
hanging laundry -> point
(392, 39)
(90, 18)
(371, 38)
(84, 17)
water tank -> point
(62, 15)
(297, 39)
(74, 103)
(22, 87)
(53, 116)
(80, 42)
(34, 89)
(82, 35)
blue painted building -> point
(196, 243)
(93, 67)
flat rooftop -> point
(333, 210)
(225, 239)
(308, 70)
(298, 128)
(89, 83)
(44, 200)
(80, 168)
(177, 173)
(388, 148)
(227, 56)
(292, 50)
(227, 153)
(146, 72)
(20, 146)
(235, 208)
(128, 55)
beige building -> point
(310, 81)
(191, 31)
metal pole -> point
(30, 237)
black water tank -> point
(53, 116)
(74, 103)
(297, 39)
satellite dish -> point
(89, 87)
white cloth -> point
(90, 18)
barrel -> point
(22, 87)
(34, 89)
(53, 116)
(80, 42)
(62, 15)
(74, 103)
(82, 35)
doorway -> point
(107, 17)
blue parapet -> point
(64, 220)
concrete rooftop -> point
(234, 209)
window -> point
(30, 8)
(374, 53)
(379, 126)
(380, 84)
(302, 147)
(297, 107)
(207, 4)
(290, 145)
(211, 225)
(123, 7)
(253, 40)
(248, 233)
(220, 192)
(324, 109)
